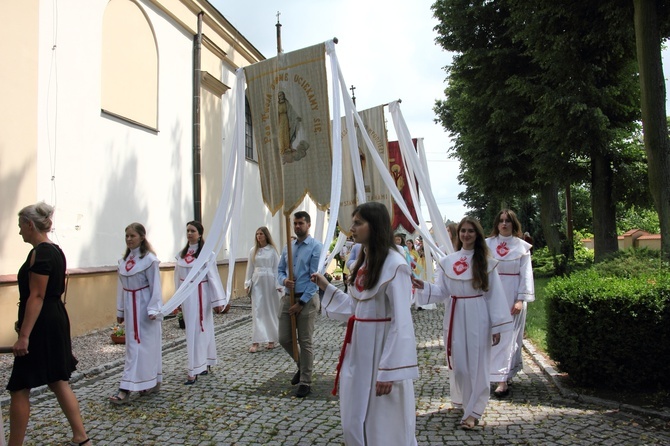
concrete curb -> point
(549, 369)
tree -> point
(539, 94)
(484, 109)
(586, 93)
(650, 18)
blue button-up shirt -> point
(305, 262)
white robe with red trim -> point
(143, 368)
(475, 319)
(197, 311)
(379, 351)
(516, 275)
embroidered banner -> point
(375, 189)
(400, 176)
(288, 97)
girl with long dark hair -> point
(475, 316)
(197, 309)
(516, 274)
(378, 360)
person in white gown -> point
(516, 274)
(476, 313)
(199, 306)
(138, 303)
(378, 360)
(261, 284)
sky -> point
(386, 50)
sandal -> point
(468, 426)
(271, 345)
(501, 393)
(189, 381)
(148, 392)
(253, 348)
(123, 397)
(74, 443)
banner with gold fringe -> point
(288, 98)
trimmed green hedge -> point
(611, 332)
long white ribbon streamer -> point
(227, 212)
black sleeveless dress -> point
(49, 357)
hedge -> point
(611, 332)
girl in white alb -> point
(138, 304)
(516, 274)
(378, 361)
(198, 308)
(261, 283)
(476, 314)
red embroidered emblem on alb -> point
(461, 266)
(130, 264)
(502, 249)
(360, 276)
(189, 257)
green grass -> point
(536, 317)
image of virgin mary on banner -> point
(289, 108)
(375, 189)
(399, 175)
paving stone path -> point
(248, 400)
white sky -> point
(386, 50)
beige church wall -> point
(18, 125)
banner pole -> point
(289, 259)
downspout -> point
(197, 171)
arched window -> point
(129, 84)
(248, 132)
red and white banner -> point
(399, 174)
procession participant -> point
(261, 284)
(43, 351)
(452, 230)
(476, 314)
(378, 360)
(414, 254)
(197, 308)
(138, 302)
(305, 256)
(516, 275)
(353, 256)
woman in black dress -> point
(43, 352)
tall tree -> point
(650, 17)
(586, 93)
(484, 110)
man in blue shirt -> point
(305, 252)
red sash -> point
(451, 324)
(347, 340)
(135, 323)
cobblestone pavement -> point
(247, 400)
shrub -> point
(544, 264)
(632, 262)
(609, 330)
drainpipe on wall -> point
(197, 173)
